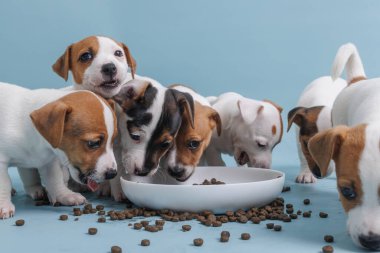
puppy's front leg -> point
(32, 183)
(53, 179)
(7, 209)
(213, 157)
(305, 176)
(116, 190)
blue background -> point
(261, 49)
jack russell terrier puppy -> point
(192, 141)
(354, 145)
(313, 115)
(46, 129)
(149, 117)
(250, 131)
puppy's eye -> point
(118, 53)
(94, 144)
(165, 144)
(85, 57)
(135, 136)
(193, 144)
(348, 192)
(261, 145)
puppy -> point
(47, 128)
(98, 64)
(353, 144)
(251, 129)
(192, 140)
(313, 115)
(149, 117)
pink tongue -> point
(92, 185)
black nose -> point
(109, 69)
(371, 241)
(110, 173)
(176, 172)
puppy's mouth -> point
(243, 158)
(109, 85)
(87, 180)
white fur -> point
(242, 129)
(320, 92)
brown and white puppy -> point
(192, 140)
(354, 145)
(98, 64)
(55, 128)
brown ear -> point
(50, 121)
(130, 60)
(214, 116)
(62, 65)
(296, 115)
(325, 146)
(279, 108)
(186, 103)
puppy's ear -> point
(216, 120)
(296, 115)
(49, 120)
(249, 109)
(140, 91)
(324, 147)
(279, 108)
(130, 60)
(186, 103)
(62, 65)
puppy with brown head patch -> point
(355, 149)
(55, 127)
(312, 115)
(98, 64)
(192, 140)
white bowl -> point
(244, 188)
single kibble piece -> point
(92, 231)
(306, 214)
(145, 242)
(160, 227)
(137, 226)
(286, 189)
(293, 216)
(218, 223)
(160, 222)
(88, 206)
(99, 207)
(101, 212)
(299, 212)
(245, 236)
(76, 219)
(76, 209)
(289, 206)
(77, 213)
(144, 223)
(101, 219)
(328, 249)
(329, 238)
(20, 222)
(256, 220)
(224, 238)
(86, 211)
(225, 233)
(186, 228)
(243, 219)
(198, 242)
(151, 228)
(323, 215)
(287, 219)
(277, 228)
(270, 225)
(93, 210)
(306, 201)
(63, 217)
(116, 249)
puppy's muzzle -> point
(371, 241)
(110, 173)
(109, 70)
(179, 173)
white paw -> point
(104, 189)
(117, 193)
(36, 192)
(70, 198)
(7, 209)
(306, 177)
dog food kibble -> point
(99, 207)
(323, 215)
(213, 181)
(289, 206)
(88, 206)
(101, 219)
(328, 249)
(186, 228)
(198, 242)
(245, 236)
(160, 222)
(144, 223)
(225, 233)
(270, 225)
(137, 226)
(76, 219)
(329, 238)
(116, 249)
(86, 211)
(306, 214)
(299, 212)
(243, 219)
(293, 216)
(256, 220)
(102, 212)
(92, 231)
(287, 219)
(286, 189)
(145, 242)
(76, 209)
(151, 228)
(277, 228)
(20, 223)
(224, 238)
(306, 201)
(63, 217)
(77, 213)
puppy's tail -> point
(349, 58)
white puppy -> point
(355, 148)
(250, 131)
(46, 128)
(313, 115)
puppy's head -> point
(98, 64)
(151, 118)
(192, 141)
(310, 121)
(258, 132)
(82, 126)
(356, 152)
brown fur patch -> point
(274, 130)
(357, 79)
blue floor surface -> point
(43, 232)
